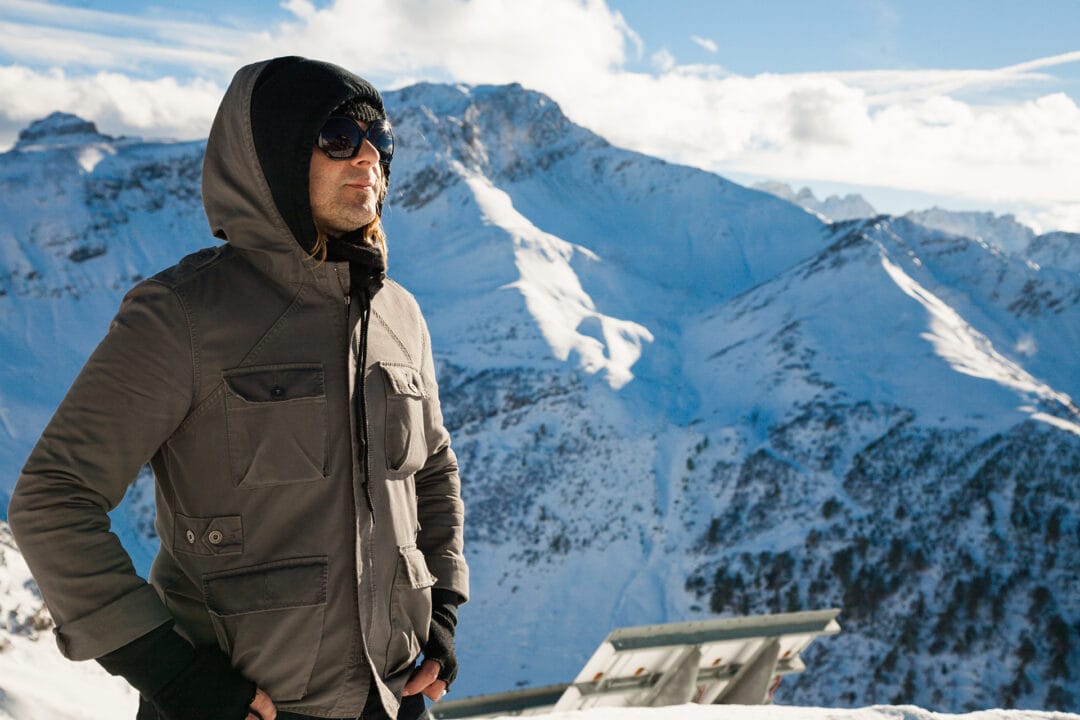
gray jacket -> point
(233, 373)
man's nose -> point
(367, 155)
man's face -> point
(344, 193)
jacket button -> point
(277, 392)
(190, 537)
(214, 537)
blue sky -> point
(964, 104)
(755, 37)
(781, 36)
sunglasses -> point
(341, 138)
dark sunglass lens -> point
(380, 135)
(339, 138)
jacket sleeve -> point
(438, 492)
(127, 400)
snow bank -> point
(780, 712)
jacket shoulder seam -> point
(401, 289)
(191, 266)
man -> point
(284, 393)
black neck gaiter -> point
(367, 266)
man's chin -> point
(349, 227)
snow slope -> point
(777, 712)
(35, 680)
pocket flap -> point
(403, 380)
(416, 566)
(299, 582)
(275, 383)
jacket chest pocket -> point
(405, 442)
(276, 424)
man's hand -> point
(425, 680)
(262, 708)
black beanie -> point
(358, 108)
(291, 100)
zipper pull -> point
(348, 298)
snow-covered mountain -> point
(1055, 250)
(1004, 231)
(832, 209)
(671, 396)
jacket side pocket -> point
(410, 610)
(269, 619)
(276, 424)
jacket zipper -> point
(361, 421)
(365, 316)
(361, 411)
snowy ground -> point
(778, 712)
(36, 681)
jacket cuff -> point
(443, 598)
(151, 662)
(452, 574)
(120, 622)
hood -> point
(255, 171)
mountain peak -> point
(834, 207)
(506, 132)
(1002, 230)
(60, 128)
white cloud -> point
(552, 45)
(1053, 216)
(663, 60)
(902, 129)
(43, 44)
(302, 9)
(119, 104)
(1069, 57)
(61, 35)
(705, 43)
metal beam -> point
(816, 622)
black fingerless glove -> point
(207, 689)
(440, 644)
(183, 683)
